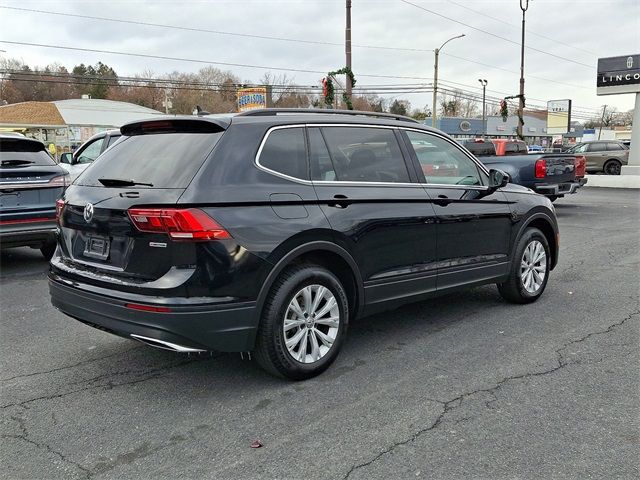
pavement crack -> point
(109, 384)
(66, 367)
(24, 436)
(454, 403)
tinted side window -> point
(365, 154)
(442, 162)
(321, 165)
(596, 147)
(614, 146)
(285, 152)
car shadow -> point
(21, 261)
(387, 333)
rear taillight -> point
(59, 208)
(581, 165)
(188, 224)
(59, 181)
(541, 168)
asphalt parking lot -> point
(465, 386)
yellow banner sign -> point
(252, 98)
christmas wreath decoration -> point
(504, 112)
(328, 91)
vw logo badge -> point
(88, 212)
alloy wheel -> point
(533, 266)
(311, 323)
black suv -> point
(269, 231)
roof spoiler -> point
(176, 125)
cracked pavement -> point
(465, 386)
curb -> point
(613, 181)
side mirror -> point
(66, 158)
(498, 179)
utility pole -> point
(604, 110)
(347, 47)
(434, 108)
(524, 5)
(484, 82)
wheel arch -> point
(545, 224)
(329, 255)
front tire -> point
(529, 271)
(304, 322)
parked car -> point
(30, 184)
(552, 175)
(271, 230)
(535, 148)
(87, 152)
(603, 156)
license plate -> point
(97, 247)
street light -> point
(435, 81)
(484, 82)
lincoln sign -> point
(619, 75)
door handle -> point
(339, 201)
(442, 200)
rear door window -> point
(596, 147)
(365, 154)
(614, 146)
(165, 160)
(284, 152)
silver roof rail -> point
(265, 112)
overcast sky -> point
(579, 31)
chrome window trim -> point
(327, 182)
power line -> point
(192, 60)
(204, 30)
(532, 32)
(167, 83)
(573, 85)
(314, 42)
(494, 35)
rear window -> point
(23, 151)
(166, 160)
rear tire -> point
(529, 271)
(47, 250)
(612, 167)
(304, 323)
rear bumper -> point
(560, 189)
(227, 328)
(33, 234)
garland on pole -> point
(504, 112)
(328, 90)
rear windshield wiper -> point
(12, 163)
(121, 182)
